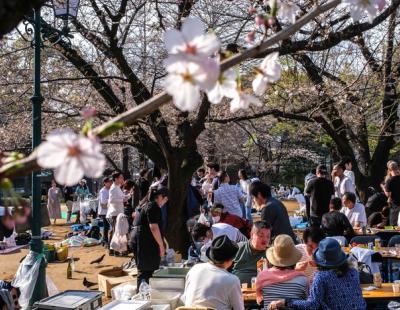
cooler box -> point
(110, 278)
(71, 300)
(127, 305)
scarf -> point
(272, 276)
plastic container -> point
(72, 300)
(171, 284)
(127, 305)
(161, 307)
(62, 253)
(171, 272)
(170, 298)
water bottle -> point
(144, 290)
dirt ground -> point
(58, 271)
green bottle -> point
(69, 270)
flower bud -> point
(250, 37)
(259, 20)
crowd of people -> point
(301, 273)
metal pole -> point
(36, 244)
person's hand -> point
(301, 266)
(276, 304)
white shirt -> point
(115, 201)
(210, 286)
(351, 176)
(231, 232)
(103, 200)
(357, 214)
(343, 185)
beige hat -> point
(283, 253)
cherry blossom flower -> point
(191, 40)
(242, 100)
(88, 112)
(287, 11)
(268, 72)
(358, 8)
(189, 67)
(225, 87)
(186, 79)
(71, 156)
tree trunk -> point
(180, 171)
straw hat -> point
(283, 253)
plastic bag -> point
(119, 241)
(51, 287)
(26, 277)
(393, 305)
(124, 291)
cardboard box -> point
(109, 278)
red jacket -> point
(243, 225)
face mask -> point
(216, 219)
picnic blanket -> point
(79, 240)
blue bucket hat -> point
(329, 253)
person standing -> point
(212, 171)
(392, 191)
(230, 196)
(146, 241)
(311, 175)
(348, 172)
(68, 192)
(102, 210)
(116, 201)
(342, 183)
(272, 210)
(320, 190)
(53, 202)
(82, 190)
(245, 182)
(144, 183)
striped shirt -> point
(294, 289)
(229, 196)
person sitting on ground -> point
(354, 211)
(335, 223)
(229, 195)
(250, 252)
(210, 284)
(335, 285)
(219, 216)
(272, 210)
(379, 219)
(281, 280)
(205, 234)
(312, 237)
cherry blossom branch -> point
(131, 116)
